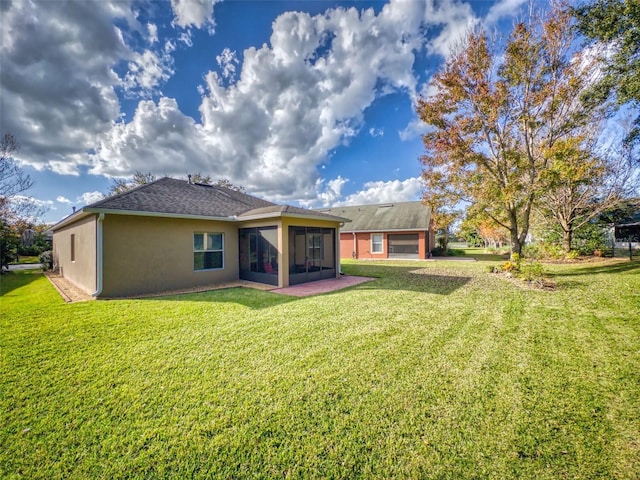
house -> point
(173, 234)
(390, 230)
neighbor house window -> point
(376, 243)
(73, 247)
(208, 251)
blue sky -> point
(310, 103)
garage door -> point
(403, 245)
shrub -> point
(46, 259)
(531, 271)
(573, 254)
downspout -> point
(98, 256)
(355, 246)
(339, 255)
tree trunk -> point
(566, 240)
(516, 245)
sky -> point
(309, 103)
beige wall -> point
(82, 271)
(154, 254)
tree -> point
(616, 23)
(119, 185)
(583, 184)
(200, 178)
(498, 112)
(15, 208)
(223, 182)
(13, 180)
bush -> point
(573, 254)
(531, 271)
(590, 238)
(449, 252)
(46, 259)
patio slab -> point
(322, 286)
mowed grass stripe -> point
(432, 371)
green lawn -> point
(23, 259)
(434, 370)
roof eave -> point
(263, 216)
(416, 229)
(77, 215)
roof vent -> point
(189, 178)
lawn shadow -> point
(620, 267)
(411, 278)
(248, 297)
(13, 280)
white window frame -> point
(373, 250)
(205, 250)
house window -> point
(376, 243)
(73, 247)
(208, 251)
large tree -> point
(120, 185)
(498, 113)
(583, 183)
(616, 24)
(15, 207)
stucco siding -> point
(77, 262)
(151, 254)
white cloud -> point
(414, 129)
(61, 199)
(293, 102)
(501, 9)
(57, 78)
(152, 28)
(90, 197)
(228, 60)
(385, 192)
(376, 132)
(146, 72)
(285, 108)
(329, 192)
(20, 199)
(159, 139)
(186, 38)
(193, 13)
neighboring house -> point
(172, 234)
(391, 230)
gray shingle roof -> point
(169, 196)
(289, 210)
(179, 197)
(383, 217)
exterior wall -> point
(154, 254)
(81, 271)
(363, 244)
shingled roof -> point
(383, 217)
(172, 197)
(179, 197)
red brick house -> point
(390, 230)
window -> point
(376, 243)
(208, 251)
(73, 247)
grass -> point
(23, 259)
(434, 370)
